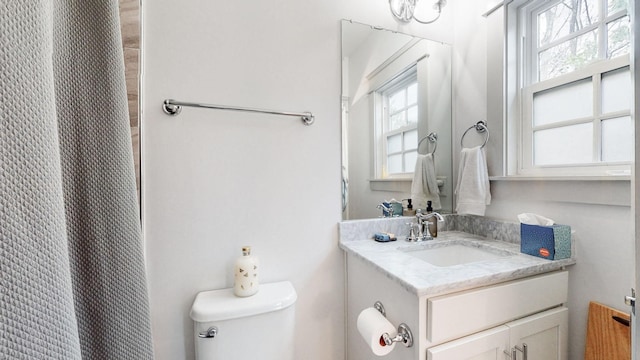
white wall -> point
(599, 212)
(215, 180)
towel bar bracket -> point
(170, 108)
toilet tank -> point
(255, 327)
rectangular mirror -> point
(396, 91)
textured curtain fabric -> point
(72, 281)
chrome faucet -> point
(428, 216)
(420, 231)
(387, 210)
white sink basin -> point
(454, 254)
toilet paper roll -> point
(372, 325)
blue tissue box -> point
(548, 242)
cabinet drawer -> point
(456, 315)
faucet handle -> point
(426, 234)
(412, 231)
(387, 209)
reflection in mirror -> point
(396, 91)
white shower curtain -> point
(72, 281)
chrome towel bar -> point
(173, 107)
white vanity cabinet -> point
(475, 321)
(536, 331)
(541, 336)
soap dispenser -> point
(409, 211)
(433, 221)
(245, 282)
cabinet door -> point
(487, 345)
(545, 335)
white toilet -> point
(261, 326)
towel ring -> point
(480, 127)
(433, 138)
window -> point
(397, 125)
(573, 87)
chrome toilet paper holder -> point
(404, 336)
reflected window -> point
(397, 122)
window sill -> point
(393, 184)
(398, 184)
(561, 178)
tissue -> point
(535, 219)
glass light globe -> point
(402, 9)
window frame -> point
(521, 88)
(403, 80)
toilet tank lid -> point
(218, 305)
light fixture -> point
(404, 10)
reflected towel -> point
(425, 185)
(472, 191)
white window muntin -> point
(532, 49)
(592, 73)
(527, 43)
(408, 147)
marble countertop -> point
(423, 279)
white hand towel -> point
(425, 185)
(472, 191)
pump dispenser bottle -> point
(245, 282)
(433, 221)
(409, 211)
